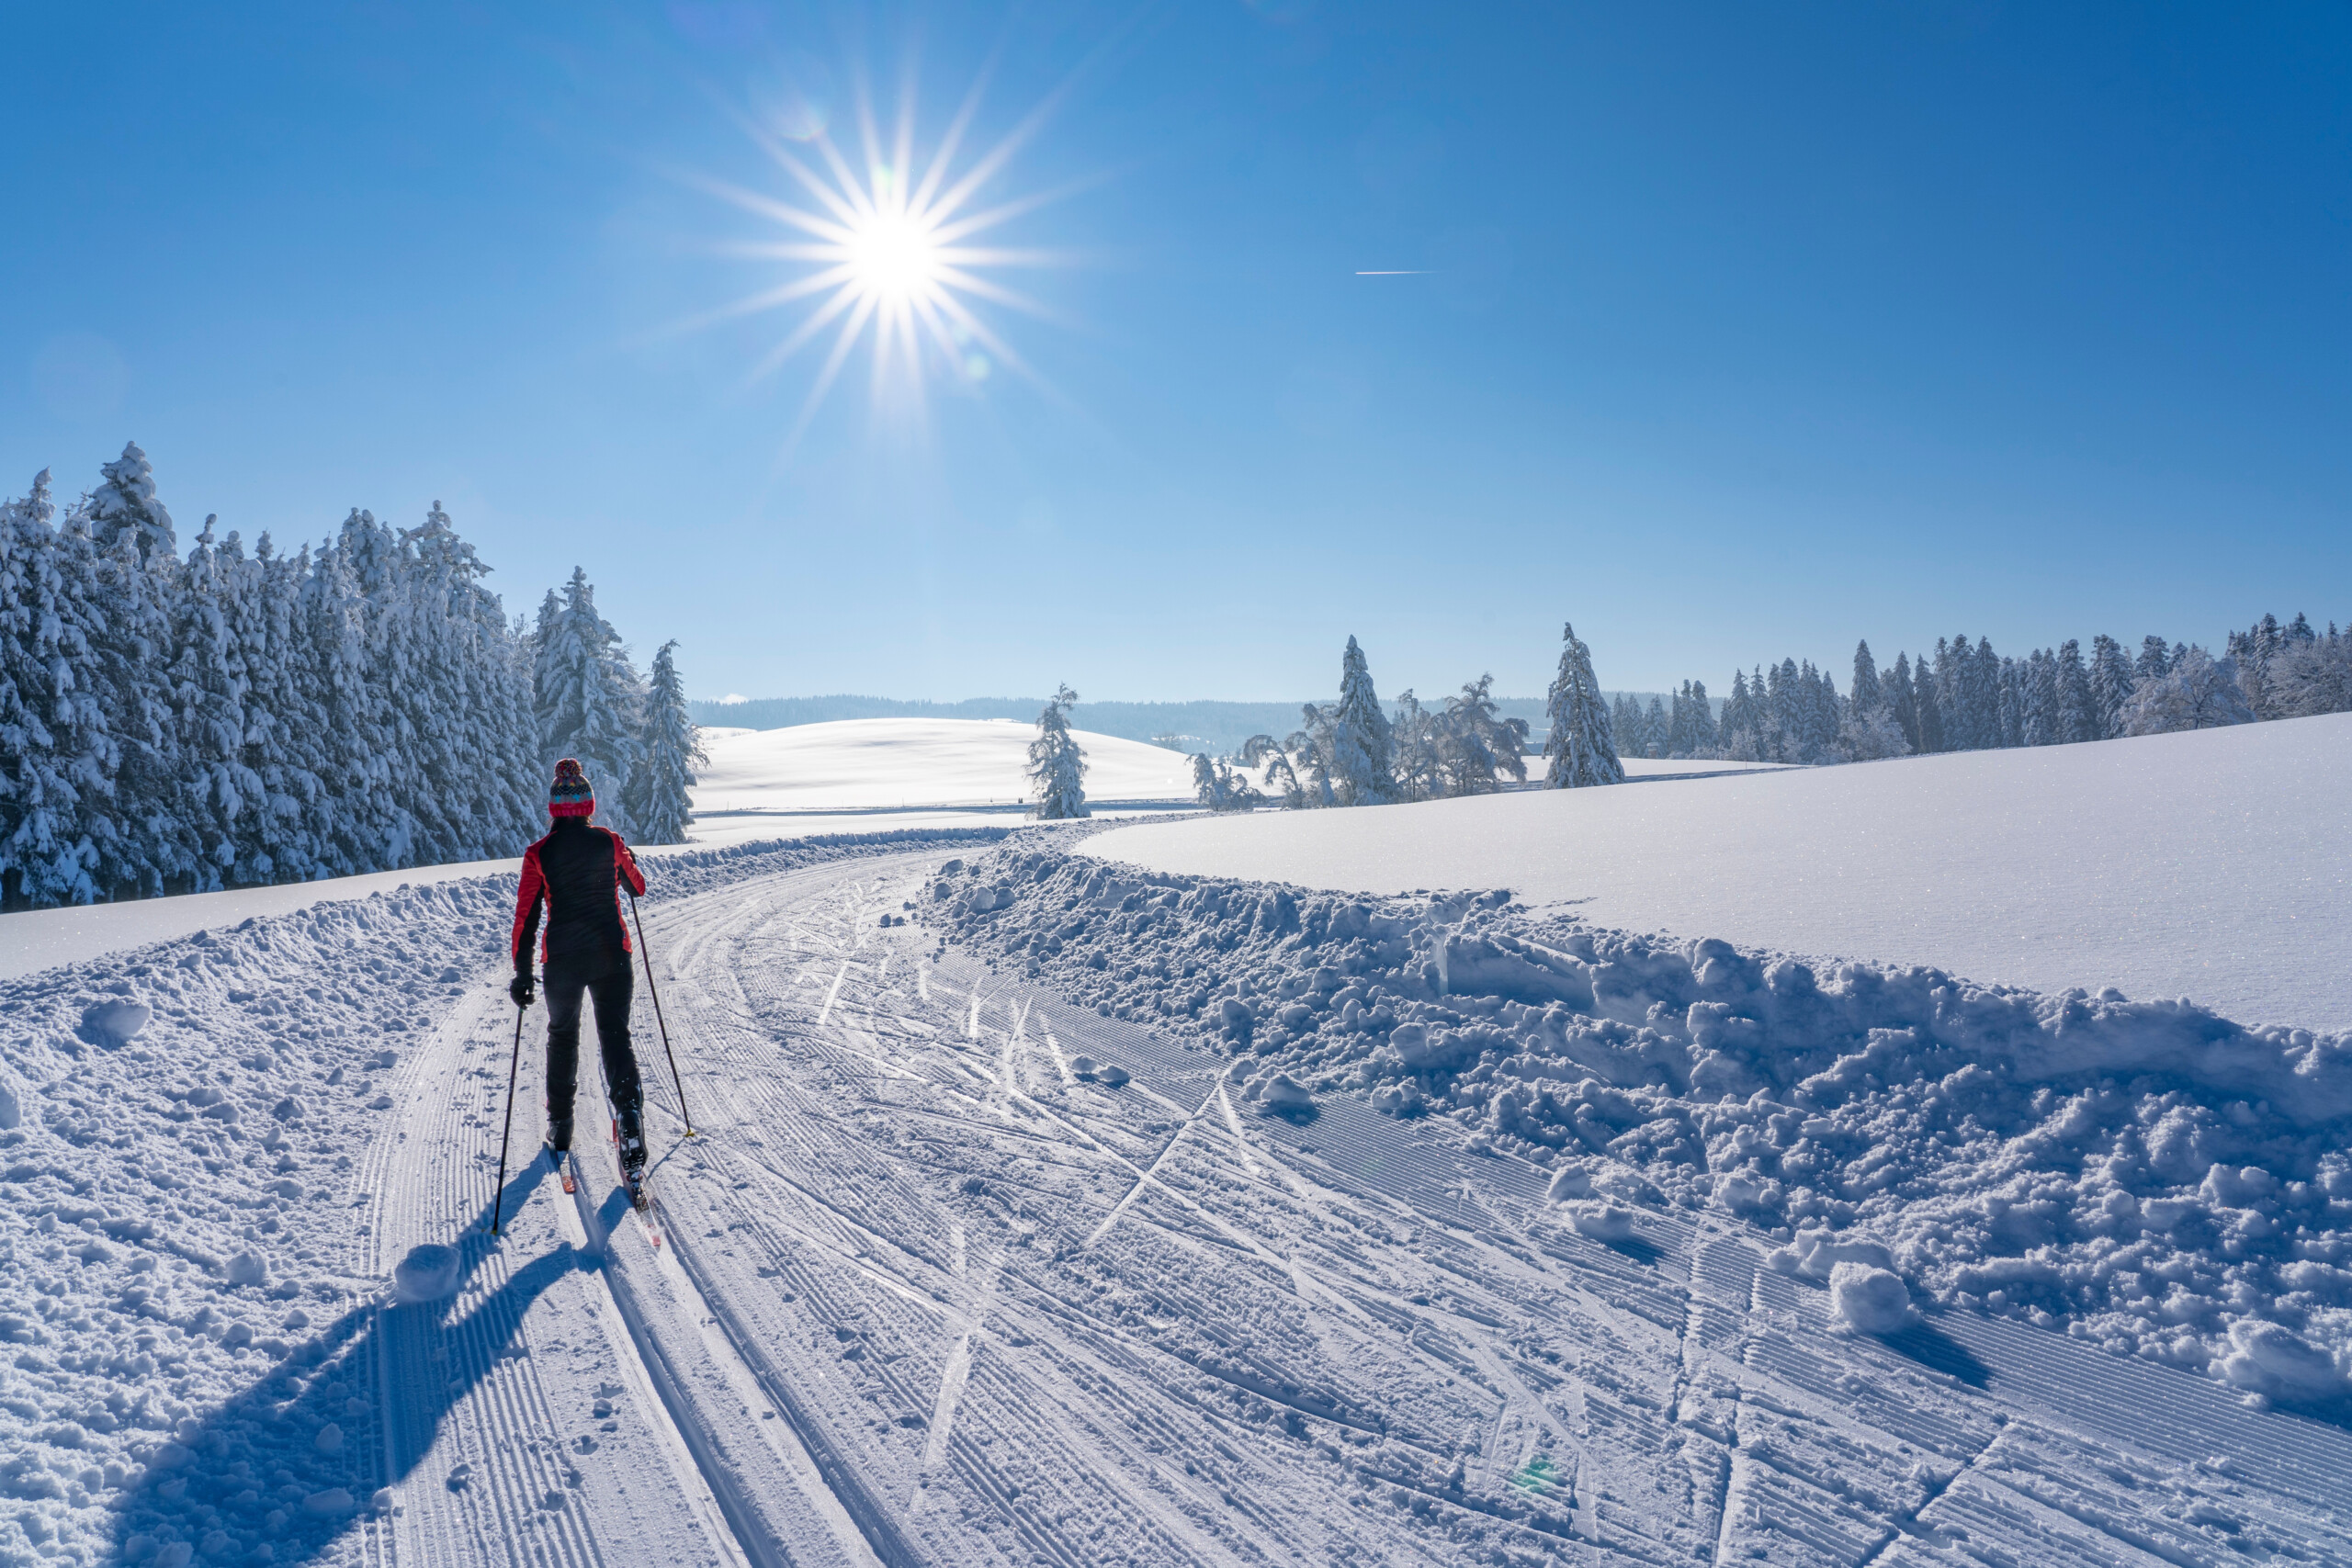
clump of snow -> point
(114, 1022)
(1569, 1181)
(2273, 1359)
(1602, 1222)
(428, 1273)
(2146, 1175)
(1868, 1300)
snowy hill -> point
(767, 782)
(2215, 864)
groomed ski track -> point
(929, 1298)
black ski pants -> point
(609, 982)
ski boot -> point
(631, 1142)
(560, 1160)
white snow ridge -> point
(1044, 1210)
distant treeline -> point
(1211, 727)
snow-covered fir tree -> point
(1655, 729)
(1900, 702)
(1678, 721)
(66, 835)
(1865, 693)
(589, 701)
(125, 506)
(1704, 737)
(1358, 753)
(1738, 734)
(662, 805)
(285, 743)
(1626, 725)
(1929, 710)
(2078, 713)
(151, 851)
(1581, 752)
(1056, 766)
(218, 794)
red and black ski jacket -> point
(577, 871)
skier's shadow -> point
(254, 1473)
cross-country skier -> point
(577, 872)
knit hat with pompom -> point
(569, 796)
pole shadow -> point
(279, 1474)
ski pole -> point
(655, 992)
(497, 1203)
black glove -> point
(520, 988)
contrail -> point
(1417, 272)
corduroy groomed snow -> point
(570, 795)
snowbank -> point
(884, 764)
(2150, 1174)
(2215, 865)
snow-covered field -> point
(1048, 1208)
(762, 783)
(2215, 864)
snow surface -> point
(997, 1246)
(2215, 864)
(869, 763)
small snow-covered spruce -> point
(1358, 744)
(1579, 752)
(1056, 766)
(2196, 691)
(662, 806)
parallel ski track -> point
(743, 1025)
(451, 1097)
(869, 1226)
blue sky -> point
(1733, 331)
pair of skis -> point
(640, 1191)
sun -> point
(894, 257)
(879, 243)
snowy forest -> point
(1969, 699)
(1964, 698)
(229, 717)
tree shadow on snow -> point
(280, 1472)
(1938, 1351)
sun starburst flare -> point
(893, 254)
